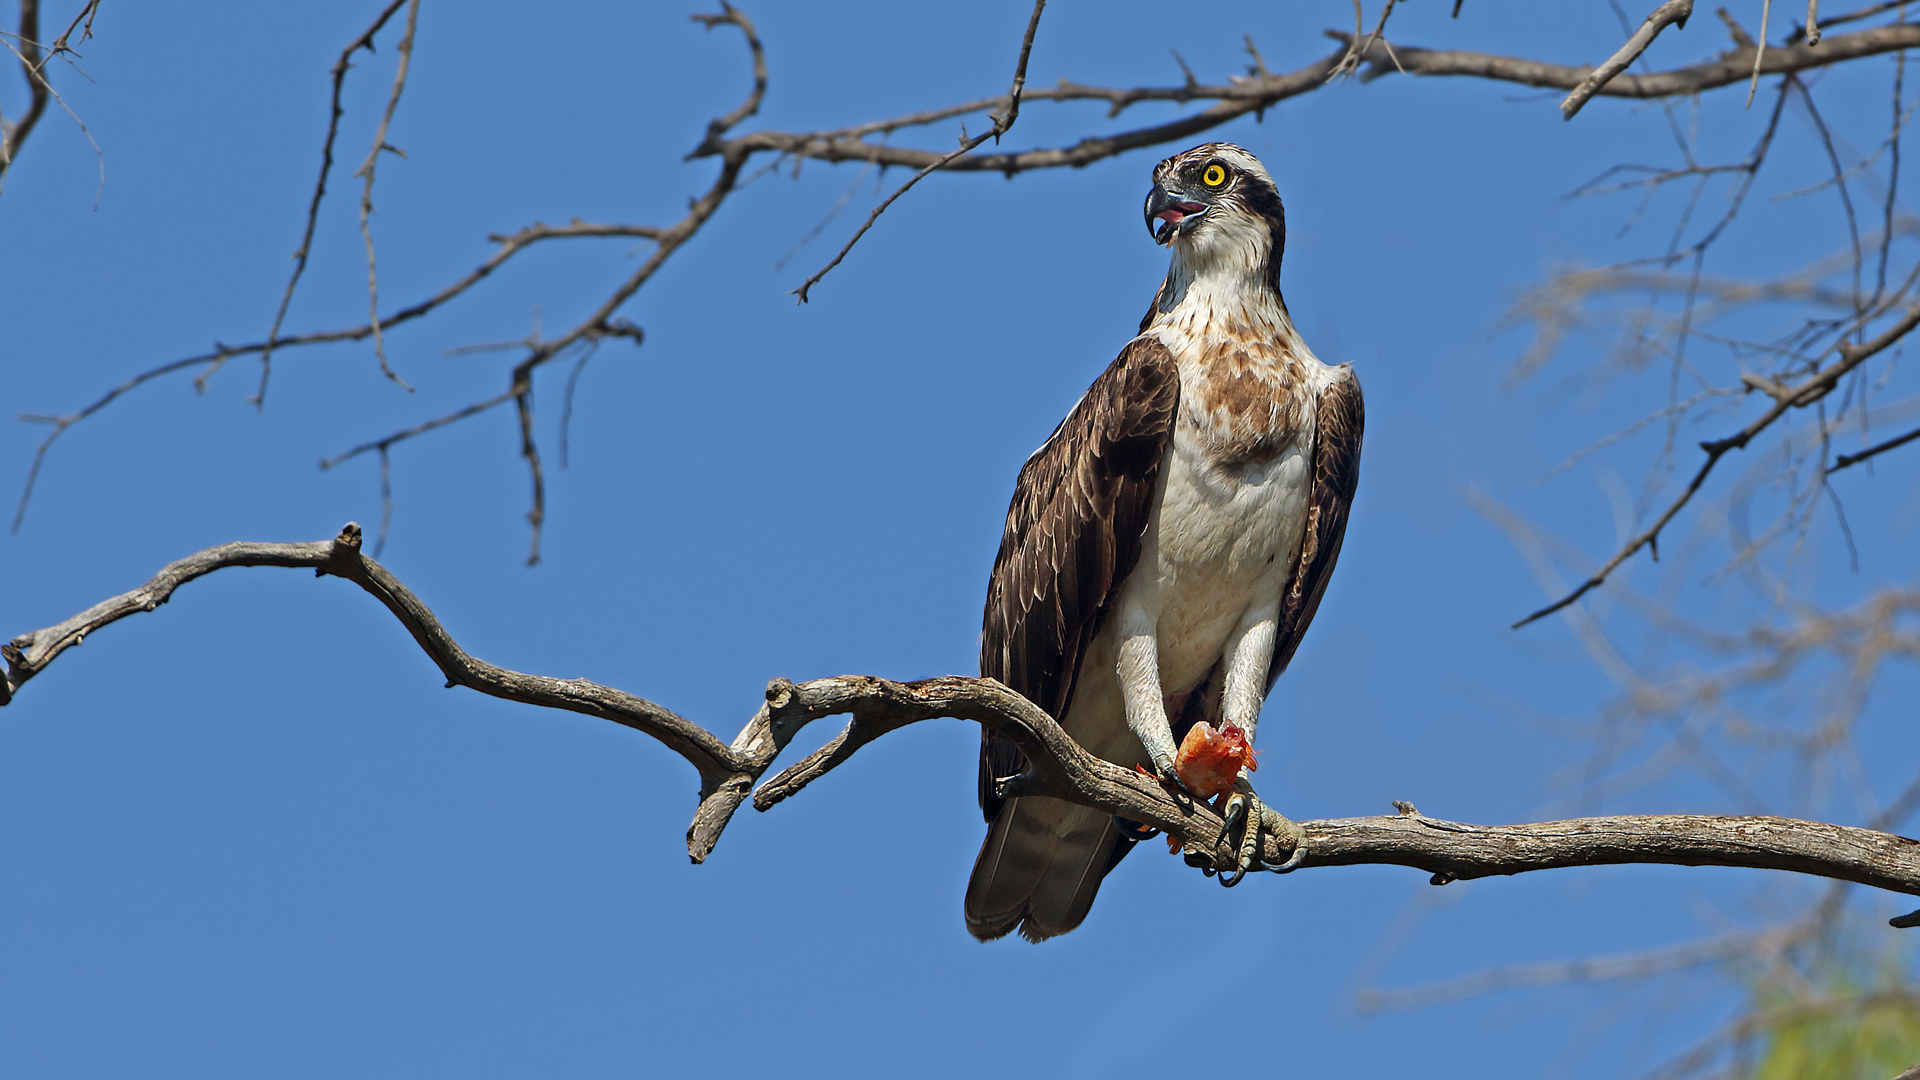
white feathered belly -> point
(1222, 546)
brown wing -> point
(1073, 535)
(1339, 418)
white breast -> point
(1221, 545)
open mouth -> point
(1173, 216)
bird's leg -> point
(1248, 655)
(1139, 671)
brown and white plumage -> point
(1168, 545)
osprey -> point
(1169, 543)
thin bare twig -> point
(86, 32)
(1848, 460)
(381, 446)
(366, 171)
(1671, 13)
(573, 379)
(386, 503)
(1002, 122)
(334, 113)
(1360, 45)
(530, 450)
(1760, 50)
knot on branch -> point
(343, 555)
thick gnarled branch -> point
(1059, 767)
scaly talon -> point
(1279, 825)
(1243, 808)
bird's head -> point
(1216, 199)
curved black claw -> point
(1133, 830)
(1170, 779)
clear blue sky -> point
(250, 835)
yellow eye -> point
(1214, 176)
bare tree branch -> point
(1059, 767)
(1671, 13)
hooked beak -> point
(1172, 208)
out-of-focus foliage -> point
(1863, 1023)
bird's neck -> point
(1220, 278)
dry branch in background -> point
(1059, 768)
(1809, 391)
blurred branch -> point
(1845, 460)
(25, 48)
(13, 134)
(1633, 965)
